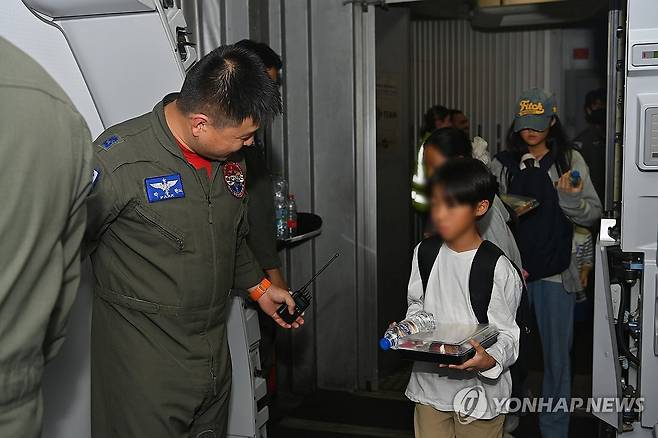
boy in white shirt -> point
(462, 192)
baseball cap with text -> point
(535, 109)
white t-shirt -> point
(448, 299)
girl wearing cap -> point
(539, 162)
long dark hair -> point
(557, 142)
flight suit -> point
(167, 244)
(46, 172)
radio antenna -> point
(326, 265)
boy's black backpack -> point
(480, 285)
(544, 235)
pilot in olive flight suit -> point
(167, 243)
(45, 160)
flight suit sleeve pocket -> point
(154, 220)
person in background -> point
(583, 250)
(260, 213)
(446, 144)
(45, 155)
(460, 121)
(435, 118)
(480, 145)
(538, 162)
(591, 142)
(462, 191)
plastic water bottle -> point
(281, 216)
(292, 216)
(416, 323)
(280, 186)
(280, 189)
(575, 178)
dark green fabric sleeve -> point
(261, 238)
(71, 244)
(248, 272)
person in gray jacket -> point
(45, 175)
(540, 159)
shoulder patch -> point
(110, 141)
(161, 188)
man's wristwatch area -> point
(260, 289)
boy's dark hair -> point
(465, 181)
(557, 142)
(450, 142)
(594, 95)
(269, 57)
(437, 112)
(229, 85)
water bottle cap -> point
(384, 344)
(575, 174)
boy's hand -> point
(482, 360)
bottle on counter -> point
(281, 216)
(291, 207)
(418, 322)
(280, 186)
(280, 189)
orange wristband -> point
(260, 289)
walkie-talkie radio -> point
(302, 297)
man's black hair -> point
(437, 112)
(230, 85)
(465, 181)
(450, 142)
(594, 95)
(270, 58)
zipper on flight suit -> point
(211, 180)
(164, 230)
(208, 194)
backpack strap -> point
(481, 278)
(428, 250)
(510, 161)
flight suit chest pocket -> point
(170, 234)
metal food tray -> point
(520, 204)
(448, 343)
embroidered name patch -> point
(161, 188)
(234, 179)
(110, 141)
